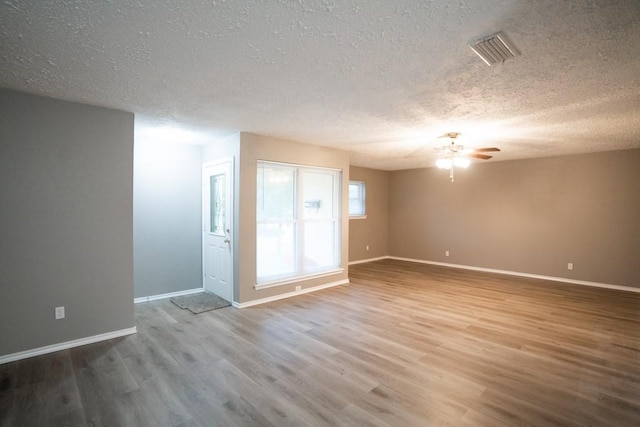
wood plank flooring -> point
(403, 345)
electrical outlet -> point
(367, 247)
(570, 266)
(60, 312)
(446, 253)
(298, 288)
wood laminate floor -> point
(403, 345)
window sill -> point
(297, 279)
(358, 217)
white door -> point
(217, 202)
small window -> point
(357, 199)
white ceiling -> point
(378, 78)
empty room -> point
(318, 212)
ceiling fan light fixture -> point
(443, 163)
(455, 156)
(462, 162)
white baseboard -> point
(66, 345)
(289, 294)
(169, 295)
(362, 261)
(516, 273)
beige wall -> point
(530, 216)
(374, 229)
(256, 147)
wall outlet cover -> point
(59, 312)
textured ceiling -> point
(381, 79)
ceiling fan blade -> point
(425, 151)
(479, 156)
(450, 135)
(482, 150)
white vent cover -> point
(494, 48)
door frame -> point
(232, 209)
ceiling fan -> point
(455, 155)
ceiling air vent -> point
(494, 48)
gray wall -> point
(374, 229)
(66, 173)
(530, 216)
(167, 217)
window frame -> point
(299, 221)
(362, 199)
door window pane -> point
(218, 204)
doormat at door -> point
(199, 303)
